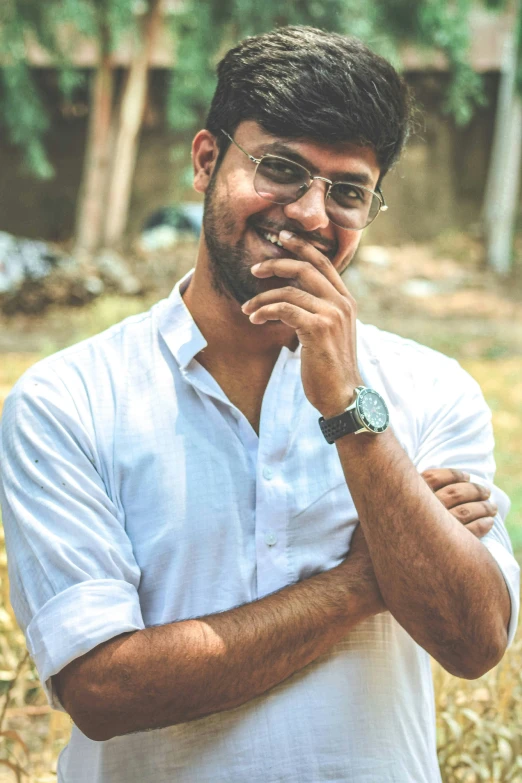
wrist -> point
(338, 405)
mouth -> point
(272, 238)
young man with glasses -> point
(227, 535)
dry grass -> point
(479, 723)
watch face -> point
(372, 410)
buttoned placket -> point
(277, 425)
(266, 456)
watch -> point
(367, 413)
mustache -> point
(329, 245)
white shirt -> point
(136, 494)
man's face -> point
(236, 219)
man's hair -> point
(303, 83)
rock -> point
(115, 271)
(34, 275)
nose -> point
(310, 209)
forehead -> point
(339, 161)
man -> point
(180, 525)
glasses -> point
(282, 181)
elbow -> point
(476, 659)
(95, 732)
(85, 707)
(96, 725)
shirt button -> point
(268, 473)
(270, 538)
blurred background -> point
(99, 100)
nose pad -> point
(302, 190)
(310, 208)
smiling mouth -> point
(272, 237)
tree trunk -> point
(128, 129)
(501, 199)
(91, 206)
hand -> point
(467, 502)
(319, 307)
(359, 557)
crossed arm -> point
(182, 671)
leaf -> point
(471, 715)
(505, 750)
(454, 727)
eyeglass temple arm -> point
(254, 160)
(384, 205)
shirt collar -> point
(178, 328)
(180, 332)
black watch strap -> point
(338, 426)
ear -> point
(204, 155)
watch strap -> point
(337, 427)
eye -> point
(280, 170)
(347, 195)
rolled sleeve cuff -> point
(511, 573)
(74, 622)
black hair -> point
(304, 83)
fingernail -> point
(244, 306)
(255, 267)
(466, 476)
(285, 235)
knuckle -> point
(452, 493)
(463, 513)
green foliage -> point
(203, 30)
(57, 26)
(446, 26)
(206, 28)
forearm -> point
(437, 579)
(182, 671)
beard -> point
(229, 264)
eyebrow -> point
(279, 148)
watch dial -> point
(373, 410)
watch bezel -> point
(364, 419)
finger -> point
(481, 527)
(307, 276)
(287, 313)
(470, 512)
(291, 294)
(305, 250)
(464, 492)
(436, 478)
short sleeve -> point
(72, 570)
(457, 433)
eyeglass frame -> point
(378, 194)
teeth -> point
(272, 238)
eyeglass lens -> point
(283, 182)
